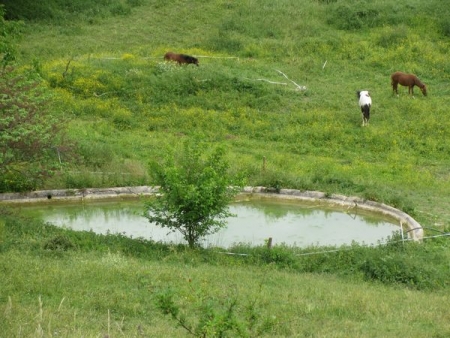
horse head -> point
(191, 59)
(424, 90)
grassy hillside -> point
(125, 106)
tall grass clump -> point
(59, 11)
(395, 263)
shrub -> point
(195, 192)
(210, 317)
(32, 134)
(59, 243)
(445, 27)
(352, 17)
(123, 119)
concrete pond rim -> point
(413, 229)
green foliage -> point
(31, 137)
(195, 192)
(9, 33)
(349, 17)
(59, 243)
(415, 266)
(215, 317)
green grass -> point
(95, 295)
(127, 107)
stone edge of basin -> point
(415, 230)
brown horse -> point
(409, 80)
(180, 58)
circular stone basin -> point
(291, 222)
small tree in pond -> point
(196, 190)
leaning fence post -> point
(269, 243)
(401, 230)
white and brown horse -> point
(365, 102)
(407, 80)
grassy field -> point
(125, 106)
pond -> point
(293, 223)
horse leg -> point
(411, 90)
(394, 88)
(365, 110)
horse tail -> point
(366, 110)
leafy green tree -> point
(31, 139)
(196, 190)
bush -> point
(59, 243)
(19, 178)
(392, 269)
(352, 17)
(210, 317)
(123, 119)
(31, 135)
(445, 27)
(195, 192)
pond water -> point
(289, 222)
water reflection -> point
(257, 219)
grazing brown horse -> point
(409, 80)
(180, 58)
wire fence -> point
(403, 240)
